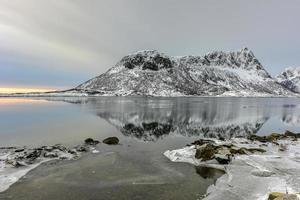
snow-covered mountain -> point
(290, 78)
(215, 74)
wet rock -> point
(90, 141)
(81, 149)
(72, 151)
(202, 142)
(33, 155)
(111, 141)
(19, 150)
(275, 195)
(282, 196)
(205, 152)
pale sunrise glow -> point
(13, 101)
(7, 90)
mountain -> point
(290, 78)
(215, 74)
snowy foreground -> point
(251, 176)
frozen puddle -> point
(252, 176)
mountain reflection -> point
(150, 119)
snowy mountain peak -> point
(149, 72)
(290, 78)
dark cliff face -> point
(155, 74)
(146, 61)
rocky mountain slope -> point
(290, 78)
(214, 74)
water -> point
(146, 127)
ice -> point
(251, 176)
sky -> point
(58, 44)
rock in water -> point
(111, 141)
(90, 141)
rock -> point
(205, 152)
(50, 155)
(236, 150)
(91, 141)
(60, 147)
(255, 150)
(72, 151)
(273, 137)
(19, 150)
(275, 195)
(291, 134)
(81, 149)
(34, 155)
(111, 141)
(257, 138)
(288, 197)
(282, 196)
(223, 159)
(201, 142)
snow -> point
(251, 176)
(290, 78)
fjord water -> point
(135, 169)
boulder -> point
(90, 141)
(282, 196)
(111, 141)
(205, 152)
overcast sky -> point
(61, 43)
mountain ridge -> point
(151, 73)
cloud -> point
(85, 38)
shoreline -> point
(251, 175)
(16, 162)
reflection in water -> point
(150, 119)
(207, 172)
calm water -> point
(146, 127)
